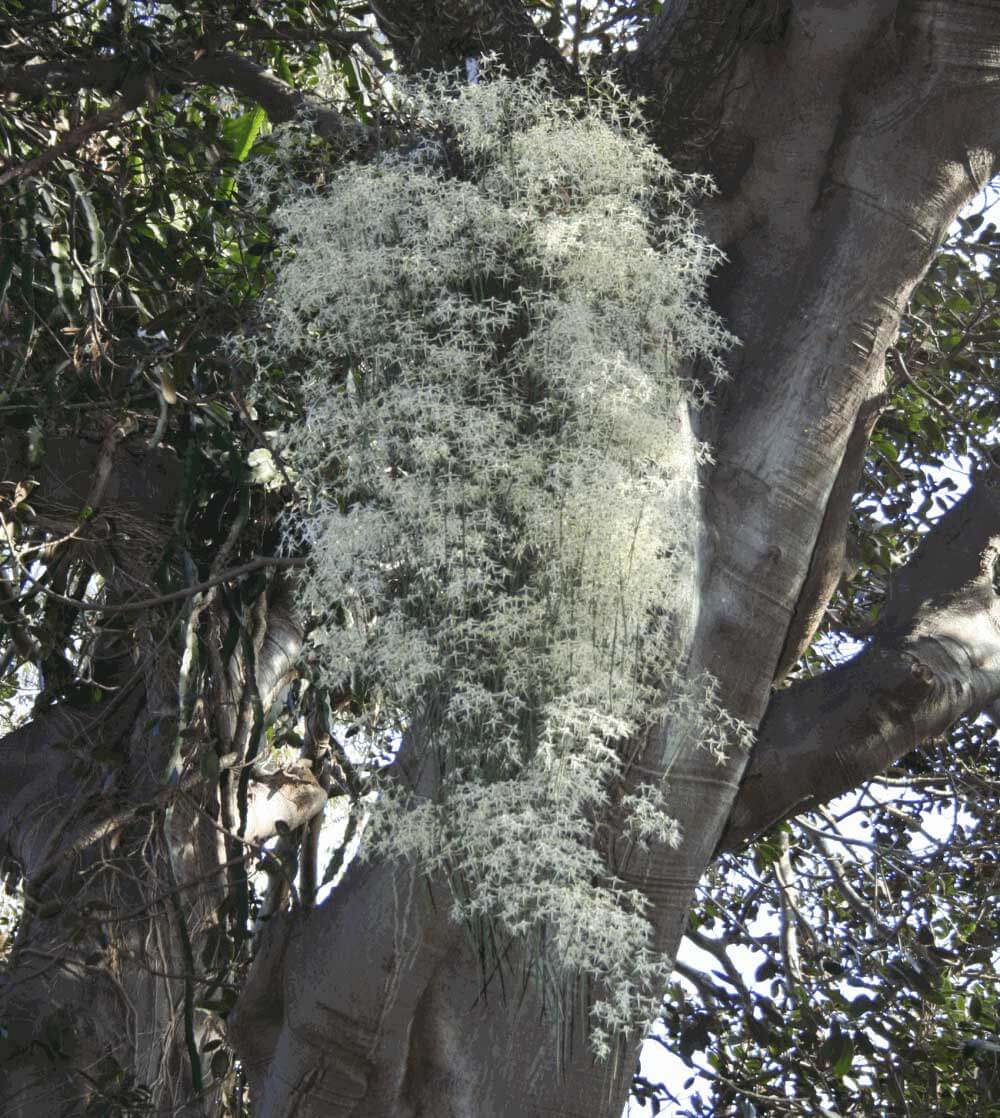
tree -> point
(867, 985)
(145, 583)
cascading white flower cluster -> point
(497, 477)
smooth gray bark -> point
(933, 658)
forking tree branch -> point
(935, 658)
(223, 68)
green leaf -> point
(97, 249)
(767, 969)
(759, 1030)
(218, 412)
(167, 386)
(837, 1051)
(886, 448)
(241, 131)
(284, 70)
(845, 1056)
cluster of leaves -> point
(600, 29)
(126, 252)
(853, 956)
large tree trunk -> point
(125, 870)
(123, 950)
(98, 969)
(845, 137)
(103, 960)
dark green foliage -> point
(127, 252)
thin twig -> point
(72, 140)
(904, 372)
(165, 599)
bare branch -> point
(42, 79)
(166, 599)
(935, 658)
(858, 905)
(133, 96)
(790, 916)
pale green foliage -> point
(498, 484)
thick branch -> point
(42, 79)
(281, 101)
(934, 659)
(694, 62)
(282, 801)
(829, 558)
(829, 218)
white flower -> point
(497, 477)
(263, 470)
